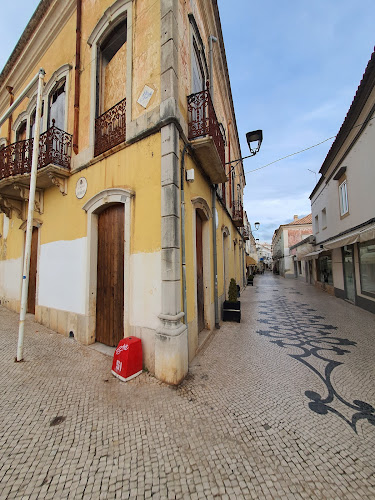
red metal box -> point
(127, 360)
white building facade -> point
(343, 204)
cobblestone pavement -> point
(280, 406)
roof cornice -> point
(47, 20)
(27, 32)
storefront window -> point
(325, 269)
(367, 266)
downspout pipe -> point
(77, 76)
(211, 39)
(214, 245)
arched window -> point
(21, 131)
(199, 69)
(111, 73)
(111, 70)
(56, 105)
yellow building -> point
(137, 212)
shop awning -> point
(312, 255)
(250, 261)
(363, 234)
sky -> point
(294, 69)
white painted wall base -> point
(10, 280)
(62, 278)
(145, 290)
(171, 357)
(147, 337)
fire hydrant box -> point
(127, 360)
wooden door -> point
(200, 288)
(110, 276)
(33, 271)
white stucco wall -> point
(145, 290)
(360, 175)
(61, 271)
(10, 278)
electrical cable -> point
(306, 149)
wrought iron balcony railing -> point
(110, 128)
(55, 147)
(203, 121)
(237, 213)
(246, 232)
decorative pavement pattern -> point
(239, 426)
(295, 325)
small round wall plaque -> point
(81, 187)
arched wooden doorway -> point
(110, 276)
(202, 263)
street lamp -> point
(256, 225)
(256, 136)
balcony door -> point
(110, 276)
(111, 74)
(198, 78)
(56, 105)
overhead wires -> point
(306, 149)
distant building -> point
(284, 237)
(264, 252)
(343, 204)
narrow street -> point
(280, 406)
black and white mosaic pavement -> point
(285, 414)
(295, 326)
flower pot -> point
(232, 311)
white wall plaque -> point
(145, 97)
(81, 187)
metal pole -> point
(29, 230)
(19, 99)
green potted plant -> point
(232, 306)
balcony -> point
(246, 232)
(205, 134)
(110, 128)
(237, 213)
(55, 151)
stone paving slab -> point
(265, 412)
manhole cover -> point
(57, 421)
